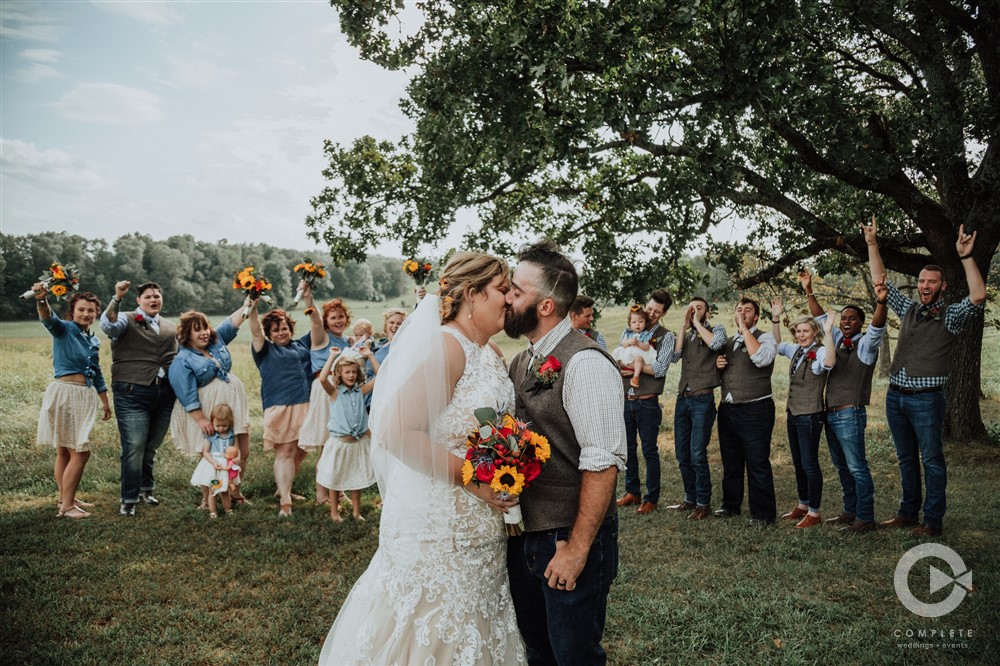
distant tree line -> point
(194, 274)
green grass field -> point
(170, 587)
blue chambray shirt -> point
(190, 369)
(75, 352)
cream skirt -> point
(67, 416)
(187, 436)
(315, 430)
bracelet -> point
(963, 257)
(308, 311)
(116, 299)
(809, 294)
(882, 302)
(775, 321)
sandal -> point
(213, 515)
(286, 511)
(75, 512)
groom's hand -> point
(565, 566)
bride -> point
(436, 591)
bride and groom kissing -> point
(446, 585)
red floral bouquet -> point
(59, 280)
(507, 455)
(309, 272)
(253, 285)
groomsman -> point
(848, 392)
(696, 348)
(642, 409)
(915, 403)
(581, 317)
(143, 344)
(746, 417)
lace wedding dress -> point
(436, 591)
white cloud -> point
(36, 71)
(109, 103)
(41, 55)
(196, 71)
(159, 14)
(24, 21)
(48, 169)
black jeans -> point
(745, 444)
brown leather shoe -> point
(926, 531)
(809, 521)
(628, 499)
(898, 521)
(858, 527)
(683, 506)
(646, 507)
(701, 513)
(795, 514)
(843, 519)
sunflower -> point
(298, 267)
(58, 290)
(507, 480)
(467, 472)
(57, 272)
(542, 449)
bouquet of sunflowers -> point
(420, 271)
(309, 272)
(59, 280)
(504, 453)
(253, 285)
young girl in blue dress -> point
(346, 460)
(212, 472)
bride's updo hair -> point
(467, 273)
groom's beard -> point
(516, 324)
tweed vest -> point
(648, 383)
(552, 500)
(924, 346)
(850, 380)
(698, 371)
(744, 380)
(139, 352)
(805, 388)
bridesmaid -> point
(202, 377)
(284, 391)
(69, 407)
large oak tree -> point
(607, 124)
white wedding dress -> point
(436, 591)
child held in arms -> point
(635, 349)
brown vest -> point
(741, 377)
(698, 371)
(850, 380)
(552, 500)
(924, 346)
(139, 352)
(805, 388)
(648, 383)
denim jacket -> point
(191, 370)
(75, 352)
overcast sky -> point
(201, 118)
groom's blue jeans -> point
(561, 627)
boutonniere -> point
(546, 372)
(589, 333)
(847, 343)
(140, 320)
(811, 354)
(935, 313)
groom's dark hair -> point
(559, 279)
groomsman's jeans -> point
(745, 443)
(143, 414)
(804, 432)
(845, 435)
(693, 421)
(558, 626)
(917, 426)
(643, 418)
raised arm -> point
(41, 302)
(366, 352)
(256, 330)
(113, 325)
(324, 377)
(830, 349)
(777, 309)
(317, 332)
(806, 280)
(881, 307)
(237, 318)
(977, 288)
(875, 264)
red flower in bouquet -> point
(420, 271)
(506, 454)
(253, 285)
(59, 280)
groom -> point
(562, 567)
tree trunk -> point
(963, 419)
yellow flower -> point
(310, 268)
(298, 267)
(321, 272)
(57, 272)
(508, 421)
(58, 290)
(467, 472)
(542, 449)
(507, 480)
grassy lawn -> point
(170, 587)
